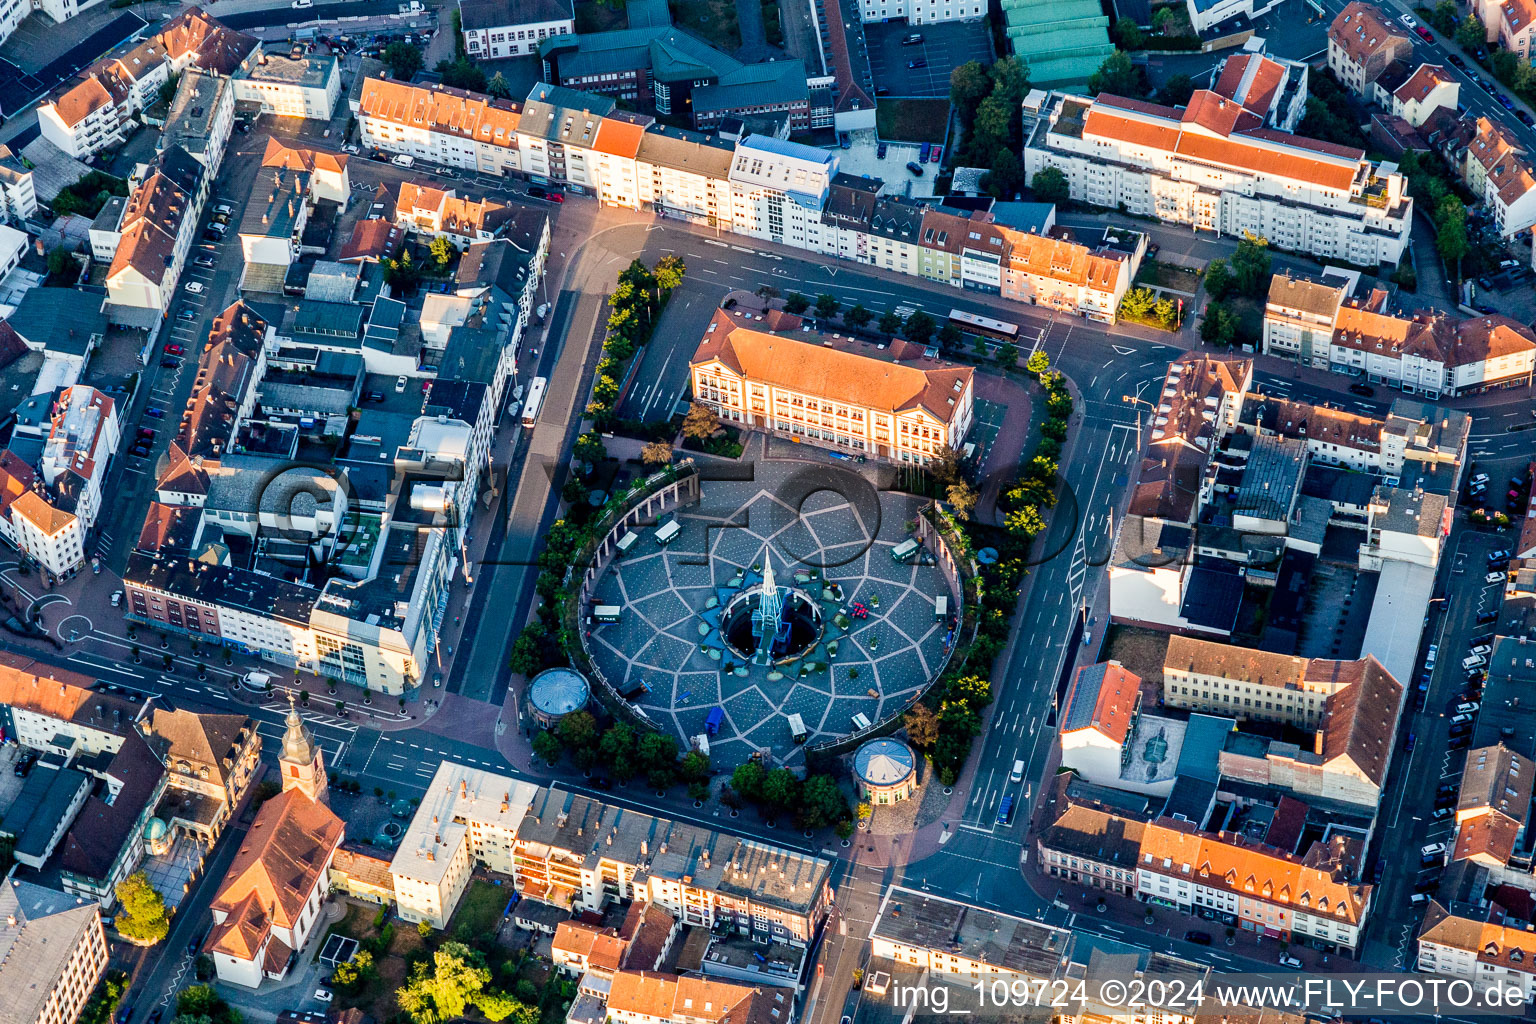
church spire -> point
(302, 762)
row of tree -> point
(815, 803)
(632, 310)
(1143, 306)
(622, 752)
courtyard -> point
(866, 643)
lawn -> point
(912, 120)
(715, 20)
(1166, 275)
(480, 910)
(596, 17)
(773, 29)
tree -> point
(349, 977)
(1025, 522)
(821, 802)
(1504, 64)
(890, 323)
(657, 453)
(950, 336)
(670, 271)
(1006, 176)
(1128, 35)
(578, 729)
(701, 422)
(443, 251)
(1451, 232)
(919, 328)
(1008, 354)
(442, 989)
(403, 60)
(1218, 326)
(60, 262)
(1137, 303)
(969, 84)
(546, 746)
(779, 788)
(1050, 186)
(1444, 16)
(204, 1003)
(1218, 279)
(143, 919)
(1162, 18)
(528, 651)
(1118, 77)
(796, 303)
(857, 316)
(827, 305)
(694, 767)
(657, 750)
(962, 498)
(944, 465)
(589, 448)
(1164, 312)
(617, 745)
(461, 73)
(1038, 362)
(748, 780)
(1471, 35)
(922, 725)
(1251, 265)
(498, 87)
(1177, 91)
(991, 130)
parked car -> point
(1486, 309)
(324, 995)
(374, 396)
(911, 39)
(547, 194)
(24, 763)
(169, 363)
(206, 261)
(1526, 119)
(195, 287)
(174, 349)
(225, 208)
(1198, 938)
(146, 433)
(400, 383)
(155, 413)
(1289, 961)
(210, 235)
(1363, 390)
(1495, 577)
(915, 167)
(1501, 555)
(912, 65)
(186, 313)
(1425, 34)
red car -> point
(1425, 34)
(174, 350)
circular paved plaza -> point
(828, 535)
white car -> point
(300, 5)
(322, 994)
(1495, 577)
(195, 287)
(400, 383)
(1289, 961)
(1406, 19)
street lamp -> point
(1133, 400)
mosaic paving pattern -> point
(827, 531)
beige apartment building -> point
(1255, 685)
(815, 389)
(52, 953)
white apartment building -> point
(1427, 90)
(949, 937)
(1363, 41)
(82, 440)
(18, 193)
(1214, 166)
(921, 12)
(513, 28)
(294, 84)
(1206, 14)
(45, 709)
(54, 953)
(779, 187)
(160, 221)
(1277, 895)
(201, 118)
(440, 125)
(1486, 953)
(467, 819)
(1497, 166)
(13, 246)
(896, 411)
(1317, 322)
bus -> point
(970, 323)
(533, 400)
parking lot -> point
(944, 47)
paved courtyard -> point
(828, 533)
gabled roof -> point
(1360, 720)
(286, 851)
(372, 239)
(301, 159)
(485, 14)
(1424, 80)
(187, 740)
(1362, 31)
(1104, 698)
(1252, 80)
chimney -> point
(463, 788)
(645, 848)
(431, 855)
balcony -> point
(1374, 194)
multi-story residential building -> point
(1273, 89)
(159, 223)
(806, 386)
(1087, 845)
(201, 117)
(1102, 706)
(92, 111)
(286, 189)
(1215, 166)
(1492, 811)
(82, 439)
(1479, 945)
(1318, 323)
(576, 852)
(948, 937)
(649, 997)
(1207, 14)
(921, 12)
(1497, 166)
(1362, 43)
(1065, 275)
(57, 711)
(293, 84)
(52, 952)
(106, 843)
(1279, 895)
(436, 212)
(467, 819)
(269, 902)
(441, 125)
(778, 188)
(1516, 22)
(18, 193)
(494, 29)
(1428, 89)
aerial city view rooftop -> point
(767, 511)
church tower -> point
(302, 761)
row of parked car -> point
(1514, 496)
